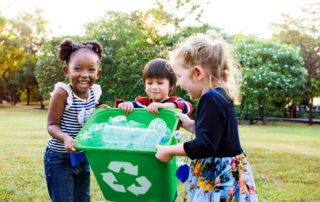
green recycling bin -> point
(132, 175)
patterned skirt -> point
(220, 179)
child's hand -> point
(105, 106)
(183, 118)
(69, 144)
(154, 107)
(187, 123)
(126, 107)
(163, 154)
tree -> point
(2, 24)
(21, 37)
(11, 59)
(180, 13)
(131, 40)
(118, 35)
(30, 31)
(304, 32)
(273, 74)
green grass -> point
(285, 158)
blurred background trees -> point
(279, 74)
(304, 32)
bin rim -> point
(79, 146)
(88, 148)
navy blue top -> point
(216, 127)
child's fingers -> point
(105, 106)
(153, 109)
(73, 147)
(128, 109)
(179, 115)
(70, 147)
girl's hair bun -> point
(67, 47)
(96, 47)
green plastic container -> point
(132, 175)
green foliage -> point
(273, 73)
(129, 43)
(304, 32)
(49, 69)
(121, 40)
(21, 38)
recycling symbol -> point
(128, 168)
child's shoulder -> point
(217, 95)
(61, 88)
(63, 92)
(96, 88)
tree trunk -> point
(310, 105)
(264, 118)
(41, 103)
(310, 100)
(28, 96)
(293, 112)
(12, 98)
(1, 94)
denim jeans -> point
(66, 183)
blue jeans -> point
(66, 183)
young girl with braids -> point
(70, 106)
(219, 170)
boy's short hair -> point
(160, 69)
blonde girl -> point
(219, 170)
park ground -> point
(285, 158)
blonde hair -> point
(213, 54)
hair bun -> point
(65, 49)
(95, 46)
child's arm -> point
(172, 102)
(187, 123)
(180, 103)
(165, 153)
(56, 109)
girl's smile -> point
(83, 71)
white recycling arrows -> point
(110, 179)
(142, 189)
(128, 167)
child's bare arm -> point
(56, 109)
(165, 153)
(187, 123)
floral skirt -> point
(220, 179)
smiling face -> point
(83, 71)
(157, 89)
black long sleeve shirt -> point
(216, 127)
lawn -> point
(285, 158)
